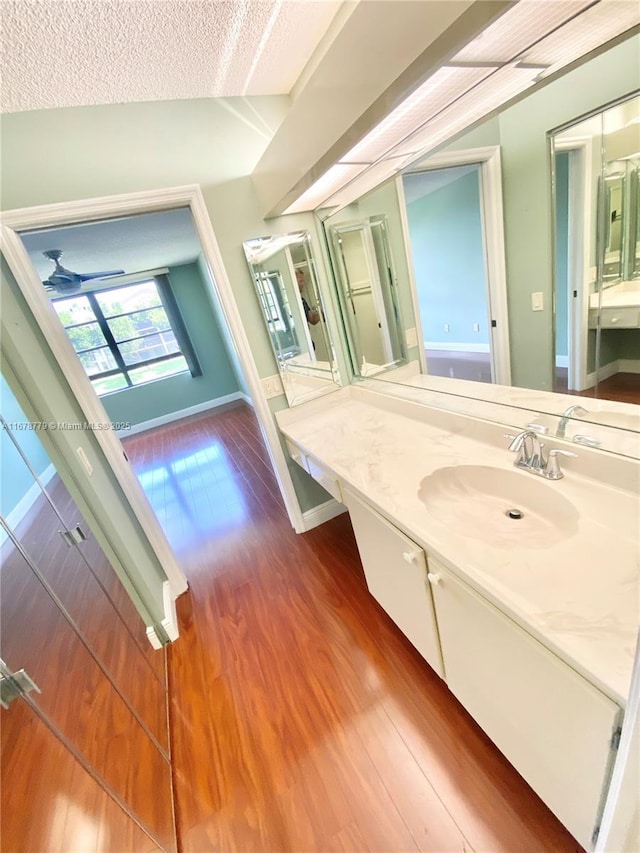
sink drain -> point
(514, 513)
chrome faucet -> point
(564, 420)
(531, 456)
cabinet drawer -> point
(620, 318)
(326, 479)
(550, 722)
(296, 454)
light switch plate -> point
(537, 301)
(88, 467)
(272, 386)
(411, 337)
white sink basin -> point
(475, 501)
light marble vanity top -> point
(579, 595)
(615, 425)
(621, 295)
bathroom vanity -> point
(531, 620)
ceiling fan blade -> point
(105, 274)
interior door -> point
(100, 695)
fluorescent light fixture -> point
(595, 27)
(432, 96)
(473, 86)
(499, 88)
(366, 181)
(337, 176)
(519, 28)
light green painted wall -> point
(521, 132)
(527, 198)
(166, 396)
(83, 152)
(448, 258)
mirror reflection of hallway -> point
(448, 249)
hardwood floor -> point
(301, 718)
(621, 388)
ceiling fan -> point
(65, 281)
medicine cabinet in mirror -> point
(285, 276)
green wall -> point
(448, 259)
(167, 396)
(85, 152)
(521, 131)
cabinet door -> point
(550, 722)
(396, 572)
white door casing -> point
(130, 204)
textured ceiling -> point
(133, 243)
(64, 53)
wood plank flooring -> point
(301, 718)
(621, 388)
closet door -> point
(100, 695)
(77, 698)
(73, 811)
(58, 542)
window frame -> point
(176, 326)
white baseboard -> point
(170, 621)
(455, 347)
(183, 413)
(629, 365)
(25, 503)
(604, 372)
(324, 512)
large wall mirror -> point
(285, 276)
(597, 271)
(470, 234)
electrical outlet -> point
(272, 386)
(446, 327)
(476, 327)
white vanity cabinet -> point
(396, 572)
(553, 725)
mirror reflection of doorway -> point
(446, 231)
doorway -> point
(452, 204)
(232, 329)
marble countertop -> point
(621, 295)
(579, 595)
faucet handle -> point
(553, 471)
(587, 440)
(539, 428)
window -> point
(127, 335)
